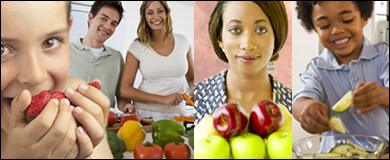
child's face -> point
(247, 37)
(339, 26)
(103, 25)
(34, 48)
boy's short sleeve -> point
(384, 74)
(310, 85)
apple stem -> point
(223, 121)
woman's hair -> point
(305, 8)
(276, 13)
(117, 5)
(144, 32)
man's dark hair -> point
(117, 5)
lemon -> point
(344, 103)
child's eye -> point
(5, 50)
(234, 30)
(261, 30)
(325, 27)
(348, 21)
(51, 43)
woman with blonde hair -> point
(164, 59)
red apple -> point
(229, 120)
(265, 118)
(127, 117)
(111, 119)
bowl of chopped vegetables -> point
(340, 146)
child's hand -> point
(314, 117)
(50, 135)
(366, 97)
(173, 99)
(91, 111)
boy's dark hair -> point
(97, 5)
(305, 8)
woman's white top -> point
(162, 75)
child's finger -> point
(95, 95)
(84, 142)
(367, 109)
(18, 107)
(44, 121)
(59, 130)
(90, 124)
(88, 104)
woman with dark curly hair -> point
(348, 62)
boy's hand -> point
(91, 110)
(50, 135)
(314, 117)
(366, 97)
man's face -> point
(103, 25)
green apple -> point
(279, 145)
(212, 147)
(247, 146)
(205, 128)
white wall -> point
(182, 14)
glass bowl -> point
(316, 147)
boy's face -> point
(247, 37)
(103, 25)
(34, 48)
(339, 27)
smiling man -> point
(91, 59)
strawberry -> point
(38, 103)
(58, 95)
(96, 84)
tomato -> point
(111, 119)
(148, 151)
(177, 150)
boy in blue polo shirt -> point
(348, 62)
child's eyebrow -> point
(56, 32)
(341, 13)
(10, 40)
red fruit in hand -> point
(96, 84)
(229, 120)
(39, 102)
(265, 118)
